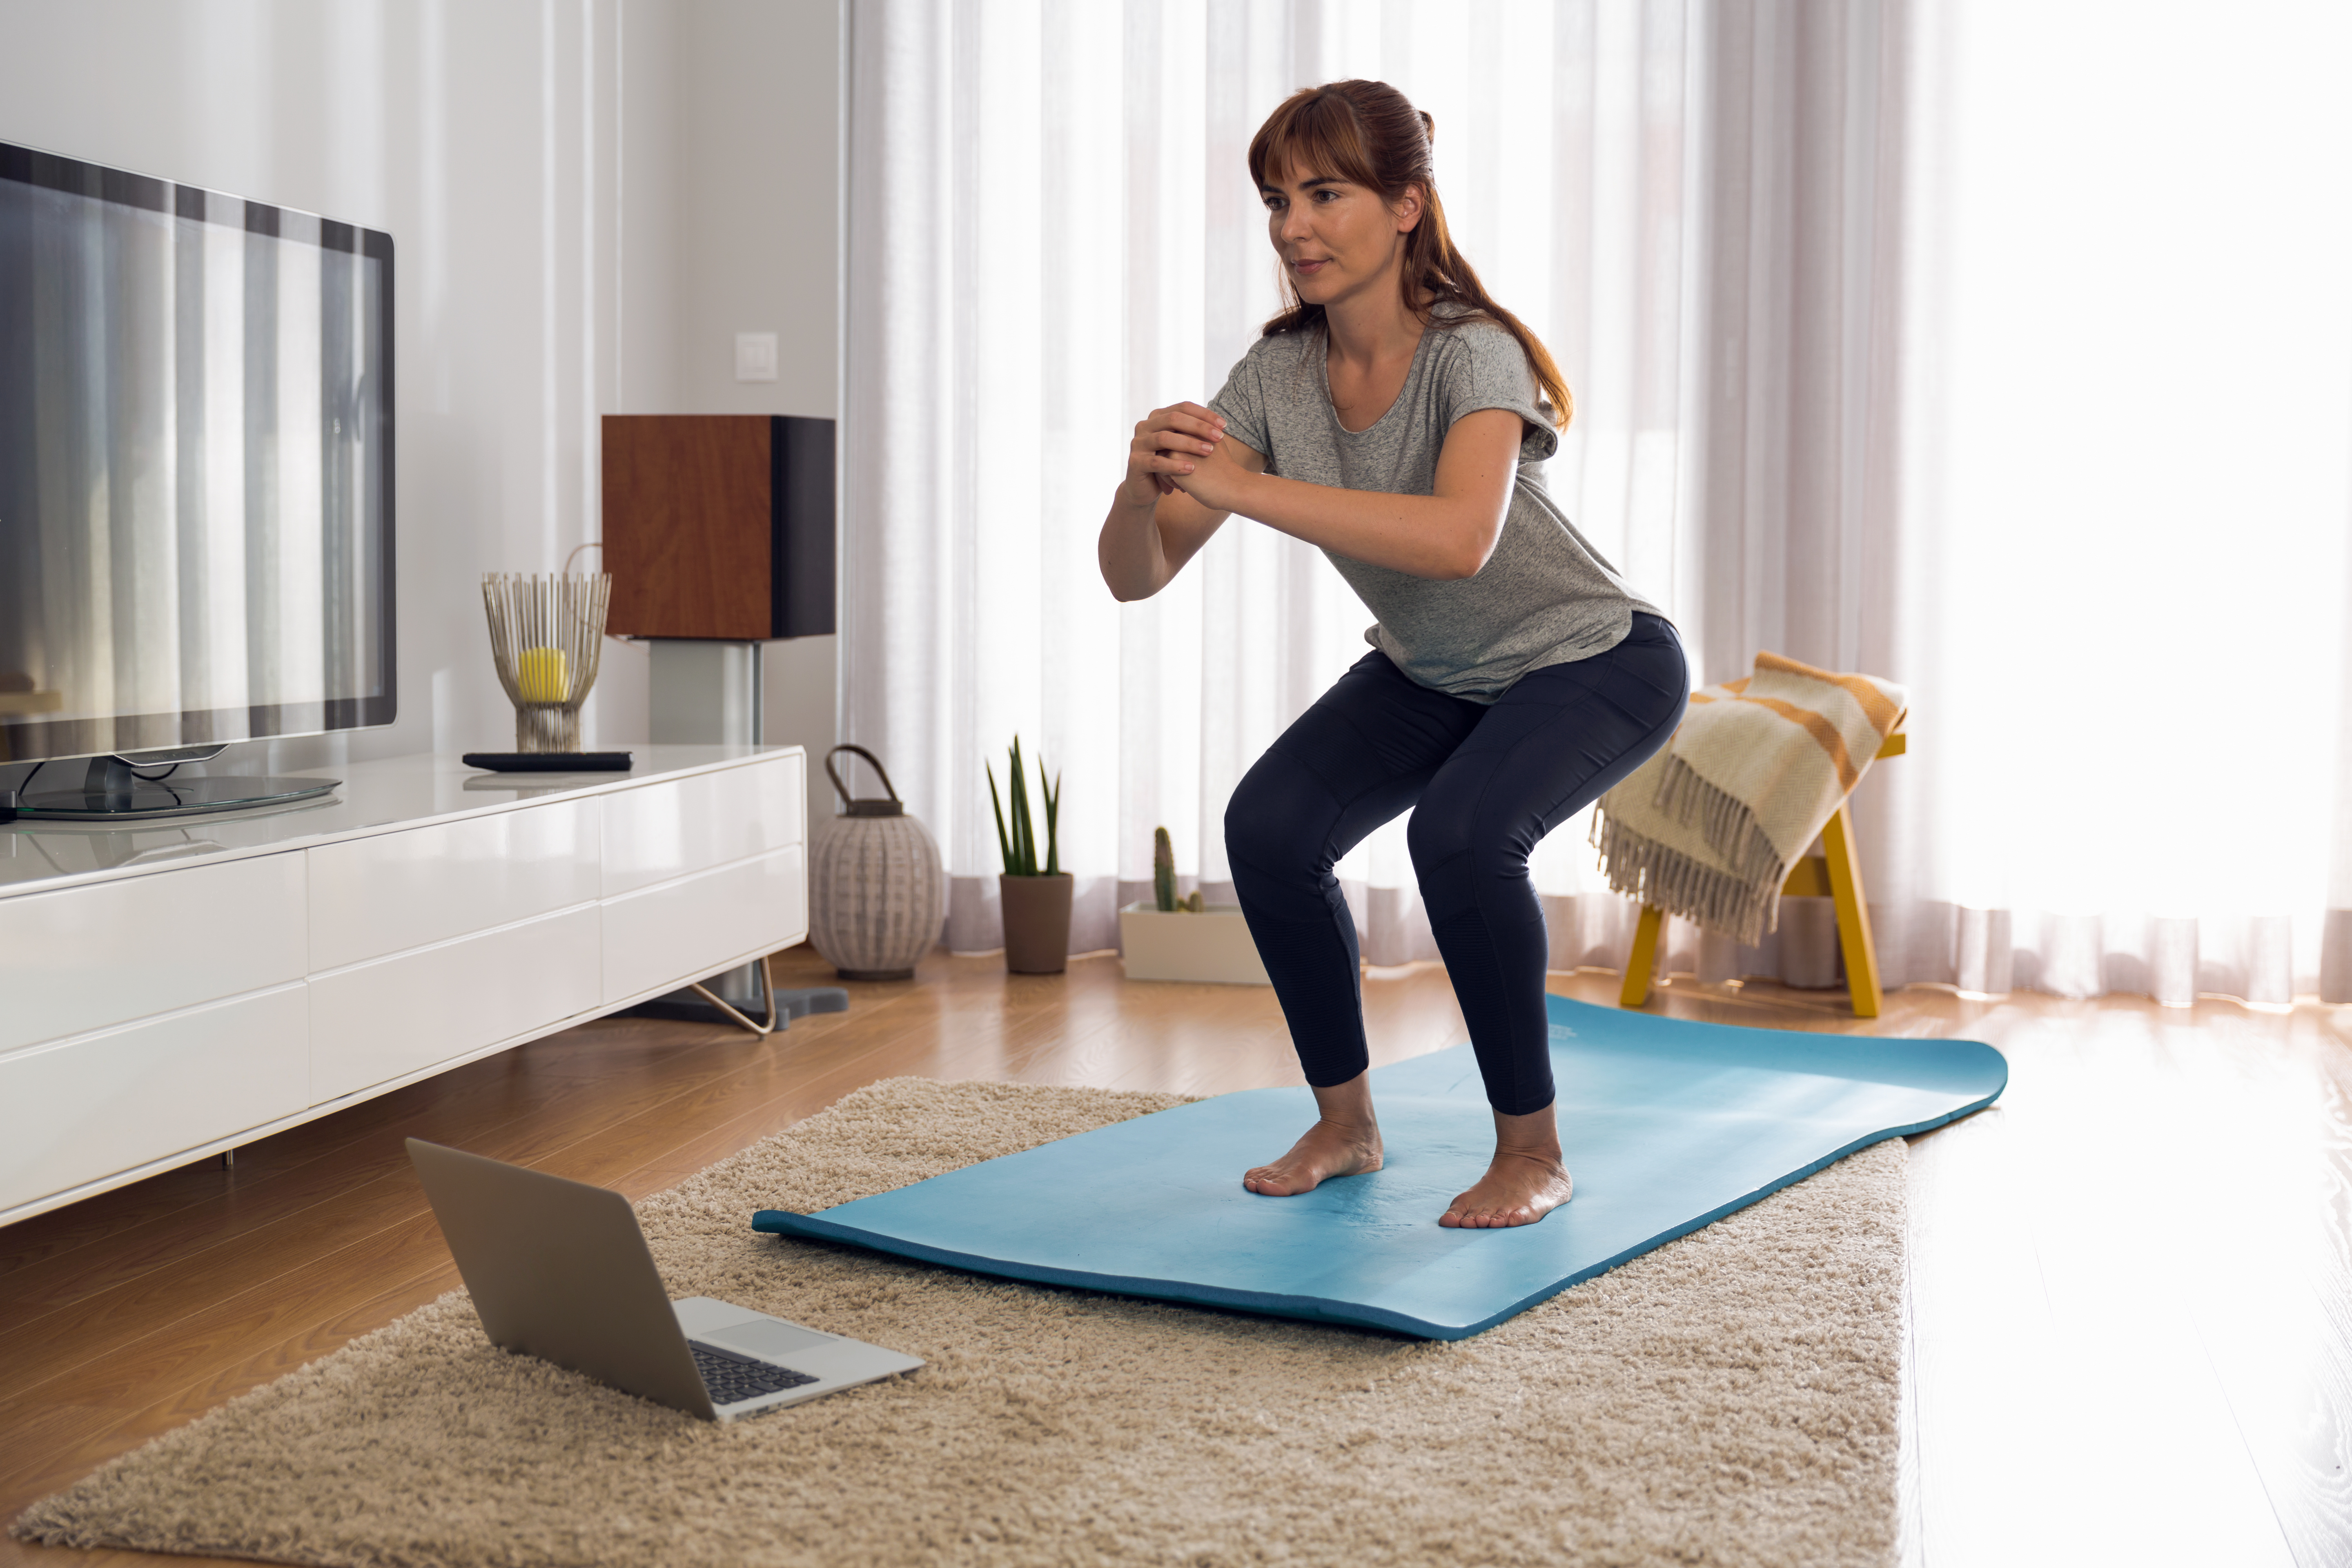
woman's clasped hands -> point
(1182, 447)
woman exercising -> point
(1397, 417)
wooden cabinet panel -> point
(83, 1109)
(689, 520)
(118, 951)
(381, 1020)
(680, 826)
(384, 894)
(720, 525)
(657, 938)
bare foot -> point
(1327, 1151)
(1526, 1182)
(1517, 1189)
(1344, 1142)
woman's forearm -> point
(1440, 537)
(1445, 535)
(1133, 559)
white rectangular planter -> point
(1214, 945)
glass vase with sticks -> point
(546, 634)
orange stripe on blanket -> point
(1823, 732)
(1881, 713)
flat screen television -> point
(196, 481)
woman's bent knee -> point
(1277, 821)
(1447, 841)
(1439, 840)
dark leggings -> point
(1485, 784)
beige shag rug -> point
(1730, 1398)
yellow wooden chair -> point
(1836, 875)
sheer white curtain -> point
(2129, 483)
(1999, 349)
(1052, 230)
(1800, 538)
(2031, 388)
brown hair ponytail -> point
(1366, 133)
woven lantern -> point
(878, 893)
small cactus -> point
(1195, 905)
(1163, 871)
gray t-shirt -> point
(1544, 596)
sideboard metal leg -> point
(767, 991)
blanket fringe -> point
(1726, 823)
(1642, 868)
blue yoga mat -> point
(1668, 1125)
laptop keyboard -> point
(733, 1378)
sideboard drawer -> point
(86, 1109)
(683, 825)
(661, 937)
(394, 891)
(130, 948)
(381, 1020)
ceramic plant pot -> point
(1214, 945)
(1036, 923)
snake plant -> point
(1017, 840)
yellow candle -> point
(543, 675)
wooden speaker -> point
(719, 525)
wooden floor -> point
(2131, 1281)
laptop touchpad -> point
(768, 1338)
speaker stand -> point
(707, 692)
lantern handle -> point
(872, 760)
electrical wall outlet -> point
(755, 356)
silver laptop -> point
(560, 1270)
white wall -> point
(582, 198)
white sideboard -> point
(170, 991)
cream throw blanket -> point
(1708, 828)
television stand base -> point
(112, 793)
